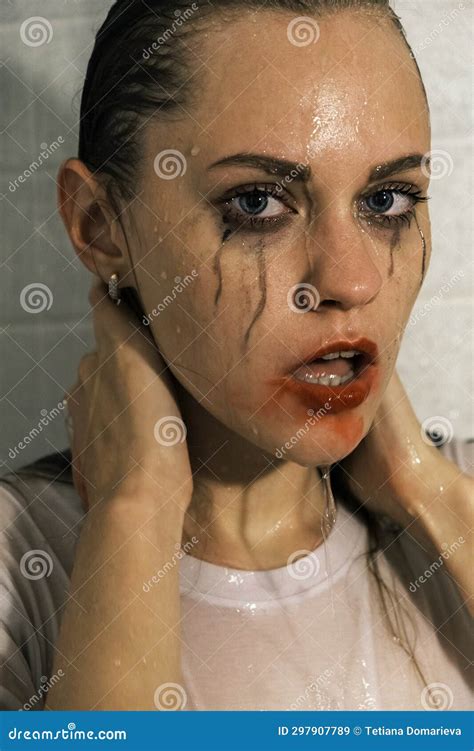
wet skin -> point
(339, 113)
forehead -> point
(354, 90)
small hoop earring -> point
(114, 291)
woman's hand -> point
(128, 435)
(397, 472)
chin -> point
(325, 440)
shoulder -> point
(40, 506)
(40, 521)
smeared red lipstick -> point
(333, 399)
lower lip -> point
(334, 399)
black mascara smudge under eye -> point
(394, 243)
(423, 242)
(262, 283)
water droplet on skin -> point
(195, 150)
(164, 275)
(178, 329)
(117, 662)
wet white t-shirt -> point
(311, 635)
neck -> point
(249, 510)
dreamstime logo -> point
(437, 430)
(36, 297)
(36, 564)
(436, 298)
(179, 285)
(46, 151)
(181, 17)
(437, 164)
(36, 31)
(46, 684)
(170, 697)
(46, 418)
(169, 164)
(303, 31)
(301, 432)
(445, 21)
(181, 551)
(303, 297)
(437, 696)
(448, 550)
(315, 686)
(169, 431)
(302, 565)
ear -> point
(95, 234)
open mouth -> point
(335, 368)
(338, 376)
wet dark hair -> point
(128, 80)
(142, 67)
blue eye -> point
(257, 207)
(394, 203)
(381, 201)
(254, 202)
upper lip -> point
(365, 346)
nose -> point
(343, 260)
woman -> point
(265, 216)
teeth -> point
(331, 356)
(328, 380)
(345, 353)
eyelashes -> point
(258, 207)
(392, 204)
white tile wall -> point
(40, 88)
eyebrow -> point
(272, 165)
(405, 163)
(302, 172)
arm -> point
(118, 643)
(413, 483)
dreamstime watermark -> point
(303, 297)
(36, 297)
(448, 550)
(170, 697)
(314, 686)
(436, 430)
(437, 696)
(302, 565)
(181, 551)
(436, 298)
(301, 432)
(437, 164)
(170, 430)
(181, 17)
(170, 164)
(45, 153)
(447, 19)
(179, 286)
(47, 416)
(36, 31)
(36, 564)
(46, 684)
(303, 31)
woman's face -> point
(276, 264)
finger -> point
(115, 325)
(110, 321)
